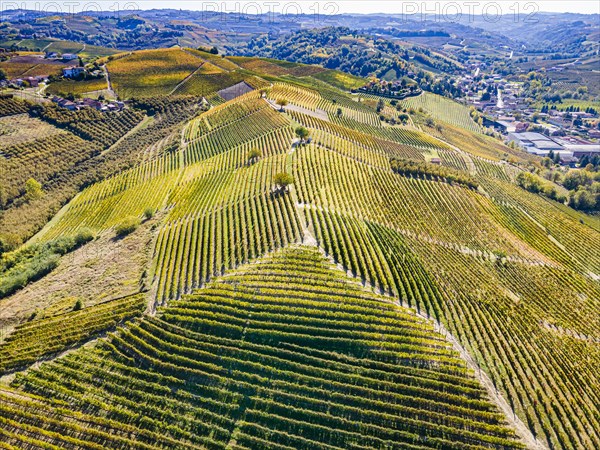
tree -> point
(302, 134)
(339, 112)
(2, 75)
(282, 102)
(282, 181)
(78, 305)
(214, 51)
(583, 200)
(33, 190)
(575, 178)
(254, 155)
(380, 105)
(9, 242)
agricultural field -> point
(76, 87)
(297, 328)
(443, 109)
(291, 271)
(151, 72)
(21, 128)
(24, 66)
(340, 80)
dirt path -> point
(144, 122)
(515, 422)
(318, 113)
(182, 82)
(108, 82)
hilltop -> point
(295, 266)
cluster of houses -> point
(63, 56)
(561, 134)
(98, 105)
(24, 81)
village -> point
(71, 68)
(567, 135)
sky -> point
(322, 6)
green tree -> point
(2, 75)
(583, 200)
(254, 155)
(575, 178)
(302, 134)
(282, 102)
(282, 181)
(214, 50)
(33, 190)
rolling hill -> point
(381, 300)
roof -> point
(547, 145)
(531, 136)
(594, 148)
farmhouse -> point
(73, 71)
(69, 56)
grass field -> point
(21, 128)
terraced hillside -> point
(510, 277)
(286, 353)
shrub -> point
(78, 305)
(84, 236)
(33, 190)
(408, 167)
(254, 155)
(148, 213)
(127, 226)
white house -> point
(73, 71)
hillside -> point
(402, 292)
(245, 363)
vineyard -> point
(51, 335)
(248, 361)
(299, 316)
(150, 73)
(443, 109)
